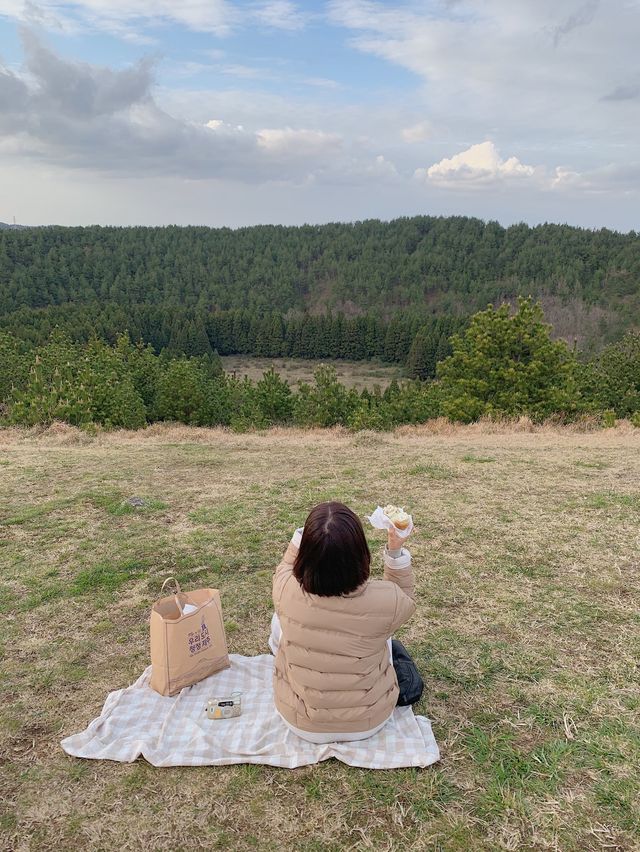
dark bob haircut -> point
(334, 556)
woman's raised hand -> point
(394, 541)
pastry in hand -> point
(398, 517)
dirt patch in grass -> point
(527, 631)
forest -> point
(360, 290)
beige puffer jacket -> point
(332, 669)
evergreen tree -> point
(14, 365)
(325, 403)
(142, 365)
(274, 398)
(421, 361)
(112, 397)
(182, 394)
(612, 380)
(507, 364)
(196, 340)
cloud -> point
(479, 165)
(125, 18)
(624, 92)
(583, 16)
(322, 82)
(280, 14)
(622, 179)
(490, 67)
(245, 72)
(417, 132)
(89, 117)
(298, 143)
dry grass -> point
(353, 374)
(527, 631)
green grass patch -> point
(612, 499)
(41, 593)
(539, 768)
(431, 471)
(220, 516)
(532, 569)
(115, 504)
(30, 513)
(106, 576)
(469, 458)
(619, 798)
(112, 503)
(8, 820)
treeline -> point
(501, 364)
(418, 343)
(415, 267)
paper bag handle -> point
(169, 580)
(180, 597)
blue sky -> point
(228, 113)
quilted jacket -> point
(332, 668)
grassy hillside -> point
(527, 632)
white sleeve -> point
(402, 560)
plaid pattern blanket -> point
(175, 731)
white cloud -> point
(624, 180)
(124, 18)
(417, 132)
(322, 82)
(280, 14)
(296, 143)
(245, 72)
(221, 126)
(121, 17)
(380, 168)
(479, 165)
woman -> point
(334, 679)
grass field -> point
(353, 374)
(527, 632)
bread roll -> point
(398, 517)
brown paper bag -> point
(186, 648)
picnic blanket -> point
(175, 731)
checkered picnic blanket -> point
(175, 731)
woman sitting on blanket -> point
(334, 679)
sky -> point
(229, 113)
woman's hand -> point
(394, 542)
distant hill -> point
(7, 226)
(419, 267)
